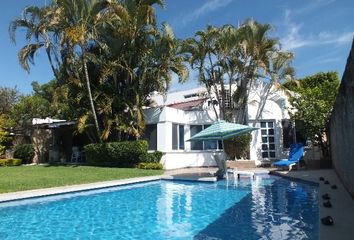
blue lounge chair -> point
(295, 155)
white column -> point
(164, 136)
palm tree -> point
(141, 59)
(235, 55)
(255, 47)
(77, 25)
(156, 69)
(38, 23)
(110, 55)
(203, 57)
(279, 69)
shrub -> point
(154, 157)
(2, 150)
(25, 152)
(150, 165)
(116, 154)
(238, 147)
(4, 141)
(10, 162)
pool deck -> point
(203, 174)
(191, 174)
(342, 210)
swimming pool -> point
(266, 208)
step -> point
(241, 164)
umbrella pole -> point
(224, 164)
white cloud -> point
(208, 7)
(294, 39)
(340, 39)
(329, 60)
(313, 5)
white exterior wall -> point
(275, 110)
(181, 158)
(174, 97)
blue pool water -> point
(266, 208)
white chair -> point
(75, 155)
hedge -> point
(153, 157)
(238, 147)
(150, 165)
(25, 152)
(116, 154)
(7, 162)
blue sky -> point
(319, 32)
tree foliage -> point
(238, 147)
(8, 97)
(5, 138)
(30, 107)
(107, 57)
(230, 60)
(313, 101)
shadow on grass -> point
(70, 165)
(63, 165)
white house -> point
(180, 115)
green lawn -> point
(21, 178)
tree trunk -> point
(55, 72)
(47, 49)
(223, 97)
(262, 104)
(211, 99)
(242, 101)
(90, 97)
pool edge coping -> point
(294, 178)
(46, 192)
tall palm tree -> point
(77, 26)
(141, 58)
(110, 55)
(204, 58)
(233, 55)
(279, 69)
(255, 47)
(38, 23)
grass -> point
(22, 178)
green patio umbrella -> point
(221, 130)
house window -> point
(301, 132)
(288, 132)
(196, 145)
(203, 145)
(191, 95)
(228, 101)
(177, 137)
(150, 135)
(268, 139)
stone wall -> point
(342, 127)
